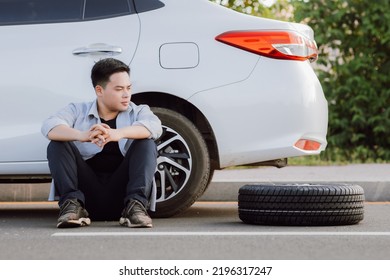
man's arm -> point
(97, 134)
(148, 120)
(128, 132)
(65, 133)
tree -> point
(280, 9)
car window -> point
(39, 11)
(105, 8)
(46, 11)
(143, 6)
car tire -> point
(301, 204)
(183, 164)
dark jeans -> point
(104, 195)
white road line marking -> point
(219, 233)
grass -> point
(316, 160)
(313, 160)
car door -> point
(47, 50)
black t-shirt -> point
(109, 159)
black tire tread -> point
(301, 204)
(201, 172)
(301, 218)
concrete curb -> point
(228, 191)
(24, 192)
(373, 178)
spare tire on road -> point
(301, 204)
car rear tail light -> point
(277, 44)
(307, 145)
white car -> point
(230, 89)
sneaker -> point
(135, 215)
(72, 214)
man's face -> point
(115, 96)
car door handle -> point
(97, 49)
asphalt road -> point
(208, 230)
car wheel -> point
(183, 164)
(301, 204)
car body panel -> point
(257, 107)
(42, 75)
(270, 119)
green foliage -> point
(281, 10)
(354, 42)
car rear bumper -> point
(262, 117)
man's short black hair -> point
(103, 69)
